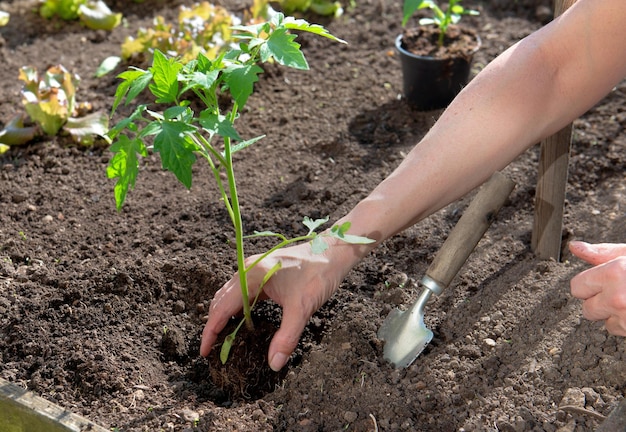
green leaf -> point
(339, 231)
(201, 80)
(355, 239)
(152, 128)
(410, 6)
(242, 145)
(227, 345)
(318, 245)
(281, 46)
(176, 149)
(176, 111)
(125, 166)
(312, 225)
(164, 84)
(107, 65)
(240, 80)
(302, 25)
(218, 124)
(134, 81)
(128, 122)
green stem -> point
(280, 245)
(238, 225)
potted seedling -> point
(436, 55)
(180, 134)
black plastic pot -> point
(430, 83)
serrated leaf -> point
(176, 149)
(124, 166)
(152, 128)
(240, 80)
(174, 112)
(164, 85)
(282, 47)
(312, 225)
(107, 65)
(318, 245)
(127, 122)
(242, 145)
(218, 124)
(201, 80)
(134, 81)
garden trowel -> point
(404, 332)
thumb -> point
(597, 253)
(286, 339)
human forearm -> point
(531, 91)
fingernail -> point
(278, 361)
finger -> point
(597, 253)
(225, 304)
(615, 326)
(587, 284)
(594, 309)
(286, 338)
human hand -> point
(303, 284)
(602, 287)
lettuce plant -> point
(93, 14)
(50, 101)
(207, 28)
(179, 134)
(203, 28)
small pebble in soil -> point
(350, 416)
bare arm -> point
(532, 90)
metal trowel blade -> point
(405, 336)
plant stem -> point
(238, 226)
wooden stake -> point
(551, 182)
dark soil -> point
(459, 42)
(101, 312)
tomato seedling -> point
(179, 134)
(442, 18)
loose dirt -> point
(101, 312)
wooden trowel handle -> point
(469, 229)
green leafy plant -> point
(179, 134)
(442, 18)
(50, 101)
(93, 14)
